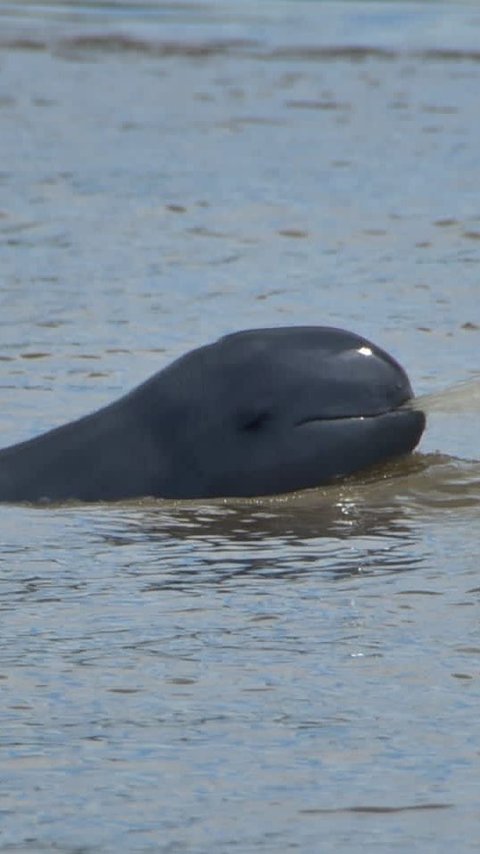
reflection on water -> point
(368, 526)
(277, 540)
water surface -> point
(297, 673)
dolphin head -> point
(275, 410)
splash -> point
(458, 398)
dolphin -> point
(259, 412)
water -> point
(297, 673)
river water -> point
(294, 674)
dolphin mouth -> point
(350, 443)
(360, 416)
(399, 428)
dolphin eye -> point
(255, 421)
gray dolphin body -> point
(258, 412)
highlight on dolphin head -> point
(259, 412)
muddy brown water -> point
(298, 673)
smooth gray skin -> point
(259, 412)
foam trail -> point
(458, 398)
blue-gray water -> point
(292, 674)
